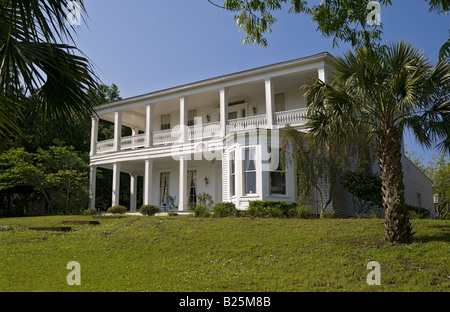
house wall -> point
(210, 170)
(418, 187)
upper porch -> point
(267, 97)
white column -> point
(270, 102)
(183, 119)
(116, 184)
(94, 135)
(149, 126)
(322, 73)
(92, 186)
(224, 111)
(147, 197)
(117, 130)
(133, 192)
(182, 203)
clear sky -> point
(149, 45)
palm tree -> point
(381, 93)
(38, 58)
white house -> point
(218, 136)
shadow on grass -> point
(442, 236)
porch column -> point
(117, 130)
(148, 182)
(223, 111)
(270, 103)
(322, 73)
(92, 186)
(183, 119)
(182, 203)
(149, 126)
(116, 184)
(133, 192)
(94, 135)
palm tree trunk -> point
(397, 224)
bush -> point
(331, 214)
(225, 209)
(302, 211)
(205, 199)
(417, 212)
(90, 212)
(149, 210)
(201, 211)
(117, 209)
(272, 209)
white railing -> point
(166, 136)
(204, 131)
(294, 117)
(134, 141)
(105, 146)
(247, 123)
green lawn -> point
(161, 254)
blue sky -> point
(144, 46)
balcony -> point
(294, 117)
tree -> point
(317, 166)
(380, 93)
(348, 21)
(35, 58)
(64, 173)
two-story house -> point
(218, 136)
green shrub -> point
(302, 211)
(205, 199)
(90, 212)
(117, 209)
(149, 210)
(331, 214)
(225, 209)
(375, 214)
(417, 212)
(201, 211)
(272, 209)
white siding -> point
(417, 184)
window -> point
(232, 174)
(277, 179)
(191, 117)
(280, 102)
(192, 187)
(232, 115)
(165, 122)
(250, 170)
(419, 200)
(164, 179)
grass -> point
(185, 254)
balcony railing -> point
(247, 123)
(293, 117)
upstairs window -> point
(165, 122)
(280, 102)
(191, 117)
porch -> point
(295, 117)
